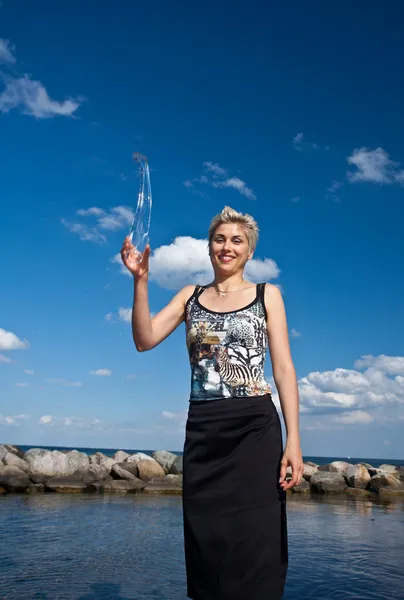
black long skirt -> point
(235, 529)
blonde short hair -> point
(229, 215)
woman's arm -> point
(285, 380)
(148, 333)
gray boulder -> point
(358, 476)
(3, 451)
(177, 466)
(14, 450)
(11, 459)
(134, 458)
(118, 472)
(309, 470)
(337, 466)
(91, 474)
(44, 464)
(327, 483)
(131, 467)
(13, 479)
(120, 456)
(385, 468)
(165, 459)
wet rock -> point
(13, 479)
(177, 466)
(66, 484)
(162, 487)
(327, 483)
(35, 488)
(302, 488)
(165, 459)
(384, 480)
(358, 476)
(121, 486)
(391, 493)
(174, 479)
(351, 491)
(150, 470)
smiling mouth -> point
(225, 258)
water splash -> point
(140, 228)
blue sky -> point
(290, 112)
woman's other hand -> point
(292, 457)
(130, 257)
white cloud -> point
(216, 176)
(186, 261)
(294, 333)
(104, 221)
(343, 392)
(102, 372)
(32, 98)
(4, 359)
(374, 166)
(63, 382)
(62, 422)
(9, 341)
(300, 144)
(392, 365)
(237, 184)
(12, 420)
(22, 384)
(6, 52)
(356, 417)
(125, 314)
(167, 415)
(333, 190)
(295, 199)
(215, 168)
(29, 371)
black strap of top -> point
(261, 296)
(198, 290)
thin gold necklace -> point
(223, 294)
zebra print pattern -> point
(227, 351)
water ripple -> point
(69, 547)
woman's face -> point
(229, 249)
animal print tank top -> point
(227, 350)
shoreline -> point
(66, 470)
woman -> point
(234, 482)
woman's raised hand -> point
(130, 258)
